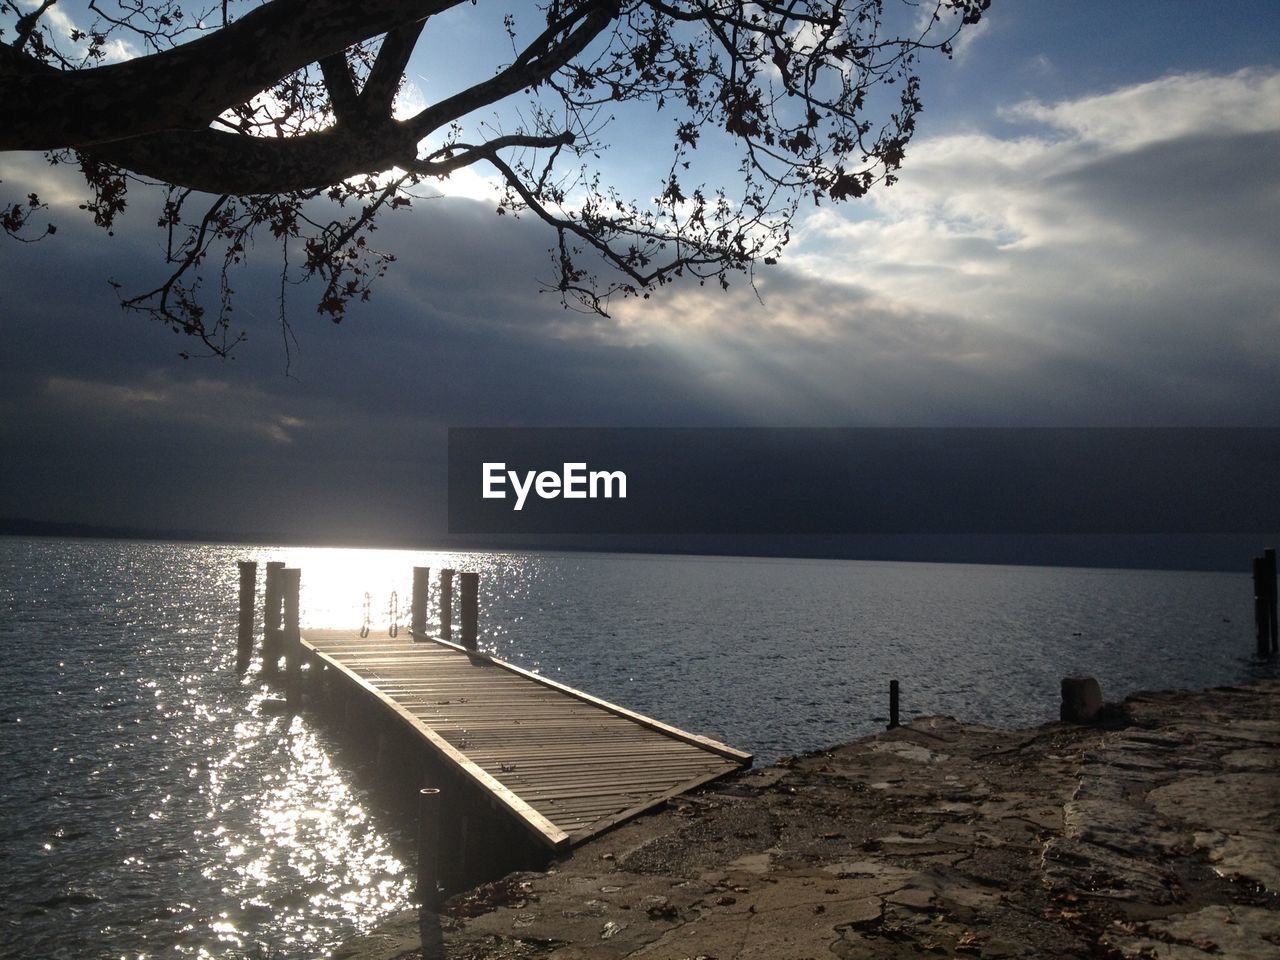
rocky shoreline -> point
(1154, 833)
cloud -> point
(61, 26)
(202, 404)
(1173, 107)
(1076, 268)
(1134, 238)
(61, 188)
(968, 39)
(100, 421)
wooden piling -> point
(418, 618)
(1273, 616)
(290, 588)
(446, 604)
(470, 589)
(244, 635)
(271, 613)
(893, 704)
(428, 847)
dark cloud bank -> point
(104, 425)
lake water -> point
(148, 808)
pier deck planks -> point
(565, 763)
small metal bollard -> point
(1269, 573)
(428, 847)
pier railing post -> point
(428, 847)
(291, 584)
(446, 604)
(271, 618)
(470, 589)
(244, 635)
(418, 619)
(893, 704)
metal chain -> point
(364, 626)
(393, 614)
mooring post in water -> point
(1261, 607)
(290, 588)
(893, 704)
(1269, 555)
(470, 583)
(418, 619)
(446, 604)
(271, 618)
(244, 637)
(428, 846)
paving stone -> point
(908, 751)
(939, 838)
(1127, 829)
(1235, 932)
(913, 897)
(1089, 869)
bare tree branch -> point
(342, 89)
(27, 24)
(388, 69)
(539, 60)
(276, 119)
(186, 87)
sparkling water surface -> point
(150, 808)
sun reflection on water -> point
(153, 807)
(335, 581)
(306, 853)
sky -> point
(1086, 232)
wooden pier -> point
(515, 767)
(565, 764)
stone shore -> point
(1154, 833)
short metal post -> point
(1261, 607)
(470, 584)
(446, 604)
(271, 619)
(244, 636)
(418, 618)
(290, 588)
(1269, 574)
(428, 847)
(893, 704)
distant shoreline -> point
(1219, 553)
